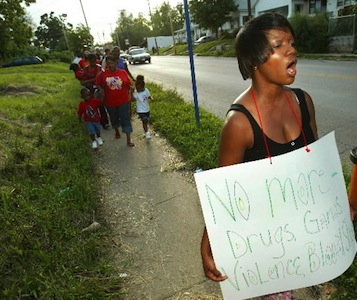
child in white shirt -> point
(142, 97)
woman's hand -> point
(209, 266)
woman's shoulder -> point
(301, 95)
(298, 92)
(238, 115)
(240, 106)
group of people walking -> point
(108, 88)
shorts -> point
(120, 116)
(144, 116)
(93, 128)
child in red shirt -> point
(90, 72)
(89, 76)
(89, 113)
(116, 85)
(78, 72)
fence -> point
(342, 32)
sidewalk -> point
(156, 216)
(157, 221)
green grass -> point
(175, 119)
(49, 190)
(219, 47)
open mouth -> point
(292, 68)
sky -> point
(101, 15)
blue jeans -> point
(120, 116)
(93, 128)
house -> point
(341, 42)
(288, 8)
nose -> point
(292, 49)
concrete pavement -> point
(153, 208)
(156, 217)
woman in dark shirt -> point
(267, 119)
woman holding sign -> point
(267, 119)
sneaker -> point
(147, 135)
(100, 141)
(94, 145)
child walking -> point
(142, 97)
(89, 113)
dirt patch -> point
(14, 91)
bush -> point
(311, 33)
(61, 56)
(224, 34)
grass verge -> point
(48, 192)
(175, 120)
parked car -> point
(139, 56)
(20, 61)
(134, 47)
(204, 39)
(124, 54)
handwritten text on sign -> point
(280, 226)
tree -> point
(160, 20)
(15, 27)
(179, 18)
(122, 32)
(141, 30)
(130, 31)
(79, 37)
(311, 32)
(57, 35)
(212, 14)
(51, 32)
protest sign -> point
(279, 225)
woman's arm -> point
(236, 138)
(209, 266)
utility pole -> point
(63, 19)
(116, 34)
(157, 48)
(84, 15)
(172, 28)
(85, 18)
(249, 10)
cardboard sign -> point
(279, 226)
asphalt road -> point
(332, 85)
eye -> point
(276, 46)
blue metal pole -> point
(192, 64)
